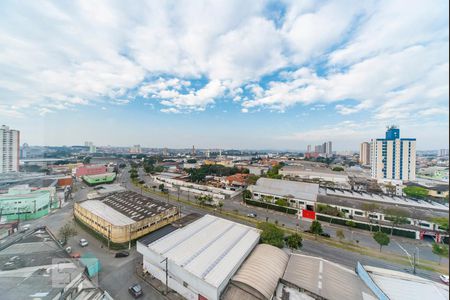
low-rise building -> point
(99, 178)
(124, 216)
(86, 170)
(23, 203)
(300, 195)
(321, 174)
(201, 257)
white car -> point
(83, 243)
(444, 278)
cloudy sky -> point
(229, 74)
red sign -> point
(308, 214)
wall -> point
(121, 234)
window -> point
(372, 216)
(345, 210)
(424, 224)
(358, 213)
(185, 284)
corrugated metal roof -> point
(106, 212)
(399, 286)
(263, 268)
(209, 248)
(326, 279)
(285, 188)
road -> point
(123, 270)
(364, 238)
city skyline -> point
(225, 75)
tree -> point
(338, 169)
(67, 231)
(416, 192)
(440, 251)
(294, 241)
(351, 224)
(381, 238)
(246, 194)
(161, 187)
(442, 222)
(316, 228)
(220, 205)
(282, 202)
(251, 179)
(397, 216)
(340, 234)
(390, 188)
(87, 160)
(271, 234)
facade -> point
(201, 257)
(300, 195)
(393, 158)
(124, 216)
(364, 154)
(23, 203)
(9, 149)
(443, 152)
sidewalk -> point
(156, 284)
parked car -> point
(24, 228)
(135, 290)
(252, 215)
(75, 255)
(83, 243)
(444, 278)
(325, 234)
(62, 242)
(69, 250)
(122, 254)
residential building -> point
(124, 216)
(364, 154)
(136, 149)
(308, 149)
(443, 152)
(329, 148)
(393, 158)
(9, 149)
(201, 257)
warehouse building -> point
(124, 216)
(92, 180)
(301, 195)
(199, 258)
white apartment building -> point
(364, 154)
(393, 158)
(9, 149)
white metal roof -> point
(284, 188)
(106, 212)
(385, 199)
(325, 279)
(398, 285)
(209, 248)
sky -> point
(225, 73)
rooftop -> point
(397, 285)
(334, 194)
(325, 279)
(285, 188)
(124, 208)
(318, 171)
(210, 248)
(27, 267)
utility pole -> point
(167, 274)
(414, 262)
(129, 241)
(109, 236)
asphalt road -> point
(364, 238)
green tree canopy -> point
(416, 192)
(316, 228)
(441, 221)
(338, 169)
(440, 251)
(282, 202)
(271, 234)
(246, 194)
(381, 238)
(67, 231)
(294, 241)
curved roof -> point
(262, 269)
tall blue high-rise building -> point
(393, 158)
